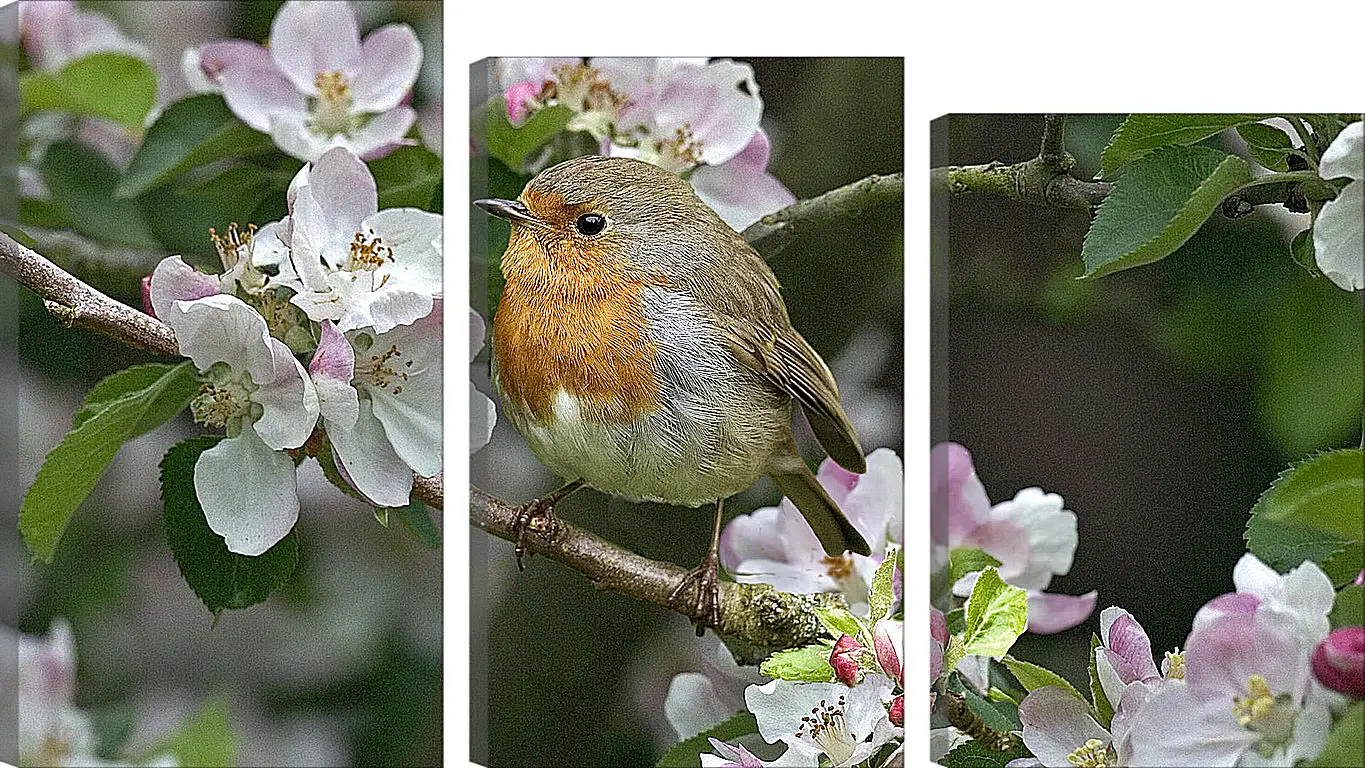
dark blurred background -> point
(340, 667)
(1159, 401)
(577, 677)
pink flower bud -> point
(844, 659)
(886, 640)
(1339, 661)
(897, 713)
(938, 626)
(520, 98)
(147, 295)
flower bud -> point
(844, 659)
(1339, 661)
(147, 295)
(897, 713)
(886, 640)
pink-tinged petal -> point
(1174, 727)
(1130, 650)
(844, 659)
(957, 497)
(260, 95)
(215, 58)
(730, 756)
(334, 358)
(288, 400)
(174, 280)
(1339, 661)
(309, 37)
(1051, 532)
(370, 463)
(1233, 603)
(248, 493)
(1049, 613)
(146, 285)
(509, 70)
(520, 98)
(777, 534)
(1360, 579)
(876, 503)
(711, 102)
(741, 191)
(344, 188)
(1006, 542)
(383, 134)
(1221, 657)
(887, 636)
(938, 626)
(836, 480)
(390, 59)
(58, 32)
(1056, 724)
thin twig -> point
(773, 232)
(757, 614)
(78, 305)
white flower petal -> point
(382, 133)
(369, 461)
(173, 280)
(390, 58)
(260, 96)
(309, 37)
(1346, 155)
(290, 132)
(288, 399)
(412, 416)
(1057, 724)
(1339, 238)
(710, 102)
(416, 241)
(692, 705)
(248, 493)
(482, 416)
(223, 328)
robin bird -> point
(642, 348)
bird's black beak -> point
(512, 210)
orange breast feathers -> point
(574, 321)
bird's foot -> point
(698, 594)
(536, 516)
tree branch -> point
(773, 232)
(756, 614)
(78, 305)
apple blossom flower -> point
(482, 413)
(700, 700)
(1125, 654)
(57, 32)
(1339, 661)
(1305, 595)
(844, 659)
(829, 720)
(1060, 731)
(350, 262)
(317, 86)
(263, 397)
(730, 756)
(1339, 230)
(1032, 535)
(774, 545)
(1248, 697)
(740, 189)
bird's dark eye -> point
(590, 224)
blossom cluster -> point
(690, 116)
(358, 291)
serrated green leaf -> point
(882, 596)
(1142, 134)
(998, 716)
(221, 579)
(1267, 144)
(1158, 204)
(687, 753)
(406, 177)
(996, 615)
(1346, 742)
(82, 184)
(416, 517)
(1303, 252)
(965, 560)
(190, 133)
(120, 383)
(114, 86)
(839, 621)
(72, 468)
(956, 619)
(513, 144)
(974, 754)
(802, 665)
(1314, 510)
(1348, 610)
(1032, 676)
(1104, 711)
(205, 740)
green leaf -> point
(1268, 145)
(18, 235)
(687, 753)
(1346, 742)
(512, 144)
(1142, 134)
(998, 716)
(416, 517)
(1158, 204)
(1303, 252)
(802, 665)
(974, 754)
(996, 615)
(220, 578)
(72, 468)
(82, 184)
(1032, 676)
(118, 384)
(407, 177)
(1314, 510)
(114, 86)
(839, 621)
(191, 132)
(206, 739)
(1104, 711)
(882, 595)
(180, 213)
(956, 619)
(965, 560)
(1348, 610)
